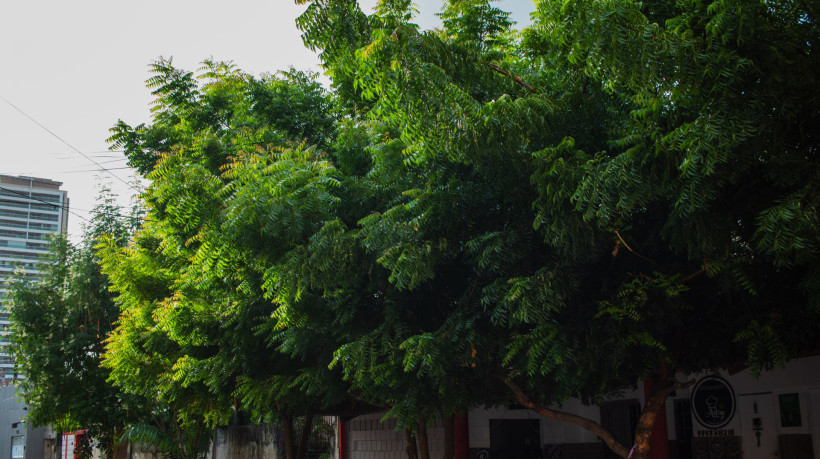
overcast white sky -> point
(77, 67)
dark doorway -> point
(681, 447)
(620, 418)
(515, 439)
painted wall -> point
(758, 407)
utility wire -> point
(102, 153)
(68, 144)
(116, 158)
(64, 206)
(102, 162)
(95, 170)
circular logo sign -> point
(713, 402)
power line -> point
(117, 159)
(95, 170)
(103, 153)
(66, 207)
(68, 144)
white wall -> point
(369, 438)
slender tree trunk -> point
(412, 451)
(287, 430)
(421, 436)
(304, 438)
(449, 437)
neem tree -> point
(647, 173)
(623, 191)
(206, 285)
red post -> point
(342, 439)
(659, 445)
(461, 437)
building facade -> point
(723, 416)
(31, 210)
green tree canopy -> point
(642, 171)
(621, 191)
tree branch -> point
(648, 260)
(515, 78)
(693, 275)
(580, 421)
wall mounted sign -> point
(713, 402)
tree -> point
(59, 326)
(668, 154)
(484, 215)
(207, 284)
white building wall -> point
(369, 438)
(799, 376)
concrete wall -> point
(247, 442)
(12, 412)
(36, 443)
(370, 438)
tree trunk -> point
(583, 422)
(421, 436)
(646, 423)
(120, 451)
(449, 437)
(287, 430)
(412, 451)
(304, 438)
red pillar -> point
(342, 439)
(461, 437)
(659, 445)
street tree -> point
(59, 326)
(239, 182)
(646, 172)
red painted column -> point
(342, 439)
(659, 445)
(461, 440)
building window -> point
(790, 415)
(18, 447)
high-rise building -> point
(31, 210)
